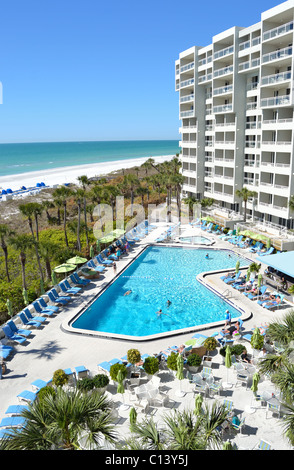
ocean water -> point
(27, 157)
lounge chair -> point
(129, 240)
(44, 311)
(96, 267)
(58, 298)
(262, 445)
(43, 304)
(104, 366)
(273, 303)
(31, 317)
(78, 281)
(5, 351)
(104, 262)
(11, 336)
(67, 289)
(252, 296)
(231, 280)
(39, 383)
(268, 252)
(208, 227)
(18, 331)
(225, 236)
(27, 395)
(81, 372)
(12, 422)
(16, 410)
(26, 322)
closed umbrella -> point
(248, 275)
(92, 254)
(9, 308)
(198, 404)
(255, 380)
(237, 266)
(228, 364)
(54, 278)
(65, 268)
(121, 388)
(77, 260)
(180, 374)
(133, 416)
(25, 296)
(256, 339)
(42, 289)
(98, 246)
(268, 243)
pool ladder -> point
(227, 293)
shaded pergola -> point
(283, 262)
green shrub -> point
(194, 360)
(210, 344)
(114, 370)
(85, 384)
(100, 381)
(151, 365)
(257, 343)
(171, 361)
(133, 356)
(59, 378)
(46, 391)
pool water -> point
(196, 240)
(157, 275)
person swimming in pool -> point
(160, 312)
(168, 303)
(128, 292)
(206, 256)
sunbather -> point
(231, 329)
(277, 301)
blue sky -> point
(94, 70)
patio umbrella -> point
(180, 374)
(190, 342)
(121, 388)
(259, 280)
(268, 243)
(98, 245)
(54, 278)
(237, 266)
(42, 289)
(255, 379)
(65, 268)
(208, 218)
(9, 308)
(77, 260)
(256, 339)
(228, 364)
(248, 275)
(133, 416)
(25, 296)
(92, 254)
(198, 404)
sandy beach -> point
(69, 174)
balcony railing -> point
(204, 61)
(223, 108)
(184, 68)
(278, 77)
(247, 44)
(249, 64)
(273, 33)
(187, 113)
(184, 99)
(277, 55)
(223, 71)
(275, 101)
(205, 78)
(222, 90)
(224, 52)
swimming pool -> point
(157, 275)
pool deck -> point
(53, 347)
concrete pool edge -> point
(245, 315)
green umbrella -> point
(228, 363)
(98, 246)
(77, 260)
(42, 289)
(180, 374)
(92, 254)
(65, 268)
(133, 416)
(9, 308)
(227, 446)
(259, 280)
(120, 378)
(54, 278)
(25, 296)
(107, 239)
(248, 275)
(189, 342)
(255, 380)
(268, 243)
(198, 404)
(256, 339)
(208, 218)
(237, 266)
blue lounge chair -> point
(69, 290)
(251, 296)
(78, 281)
(18, 331)
(104, 366)
(60, 298)
(81, 371)
(16, 410)
(273, 303)
(257, 247)
(38, 384)
(39, 309)
(129, 240)
(12, 422)
(207, 227)
(30, 323)
(268, 252)
(96, 267)
(104, 262)
(11, 336)
(31, 317)
(230, 280)
(5, 351)
(27, 395)
(43, 304)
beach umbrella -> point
(180, 374)
(259, 280)
(228, 364)
(77, 260)
(198, 404)
(208, 218)
(9, 307)
(256, 339)
(65, 268)
(42, 290)
(237, 266)
(190, 342)
(98, 245)
(25, 296)
(248, 275)
(121, 388)
(92, 254)
(268, 243)
(254, 387)
(54, 278)
(133, 416)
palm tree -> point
(46, 205)
(48, 250)
(62, 194)
(150, 163)
(291, 203)
(191, 201)
(29, 210)
(22, 243)
(79, 196)
(4, 233)
(131, 182)
(85, 182)
(64, 420)
(245, 194)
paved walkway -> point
(51, 348)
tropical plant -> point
(100, 380)
(5, 232)
(151, 365)
(171, 361)
(60, 378)
(85, 182)
(245, 194)
(194, 360)
(62, 194)
(210, 343)
(63, 421)
(133, 356)
(22, 243)
(114, 368)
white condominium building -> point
(236, 107)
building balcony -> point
(275, 32)
(185, 83)
(250, 64)
(187, 98)
(223, 71)
(223, 108)
(276, 78)
(223, 90)
(205, 78)
(223, 52)
(275, 101)
(184, 114)
(186, 67)
(277, 55)
(247, 44)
